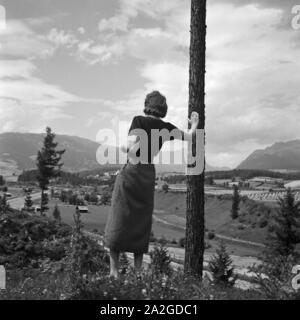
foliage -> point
(274, 277)
(165, 187)
(24, 239)
(181, 242)
(86, 258)
(235, 202)
(4, 206)
(211, 235)
(49, 165)
(221, 267)
(285, 231)
(124, 263)
(2, 181)
(160, 260)
(56, 213)
(28, 205)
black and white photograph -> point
(149, 152)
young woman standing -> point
(129, 223)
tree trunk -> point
(194, 249)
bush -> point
(181, 242)
(263, 222)
(160, 260)
(174, 241)
(221, 267)
(152, 237)
(25, 239)
(211, 235)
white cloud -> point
(62, 38)
(252, 73)
(20, 41)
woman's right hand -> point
(194, 119)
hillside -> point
(279, 156)
(19, 150)
(251, 225)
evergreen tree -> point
(165, 187)
(285, 230)
(56, 213)
(4, 206)
(49, 166)
(235, 202)
(28, 202)
(221, 268)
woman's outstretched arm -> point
(132, 145)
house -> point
(294, 185)
(82, 209)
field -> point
(169, 222)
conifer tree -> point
(235, 202)
(49, 166)
(56, 213)
(4, 206)
(28, 202)
(221, 268)
(285, 228)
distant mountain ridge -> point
(279, 156)
(18, 152)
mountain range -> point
(18, 152)
(279, 156)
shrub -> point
(211, 235)
(152, 237)
(181, 242)
(174, 241)
(25, 239)
(160, 260)
(263, 222)
(162, 240)
(56, 213)
(221, 267)
(86, 258)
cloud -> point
(19, 41)
(62, 38)
(250, 92)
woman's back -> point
(157, 131)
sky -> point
(81, 66)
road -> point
(18, 203)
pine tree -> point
(285, 231)
(194, 251)
(235, 202)
(221, 267)
(28, 202)
(4, 206)
(56, 213)
(49, 166)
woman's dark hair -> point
(156, 104)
